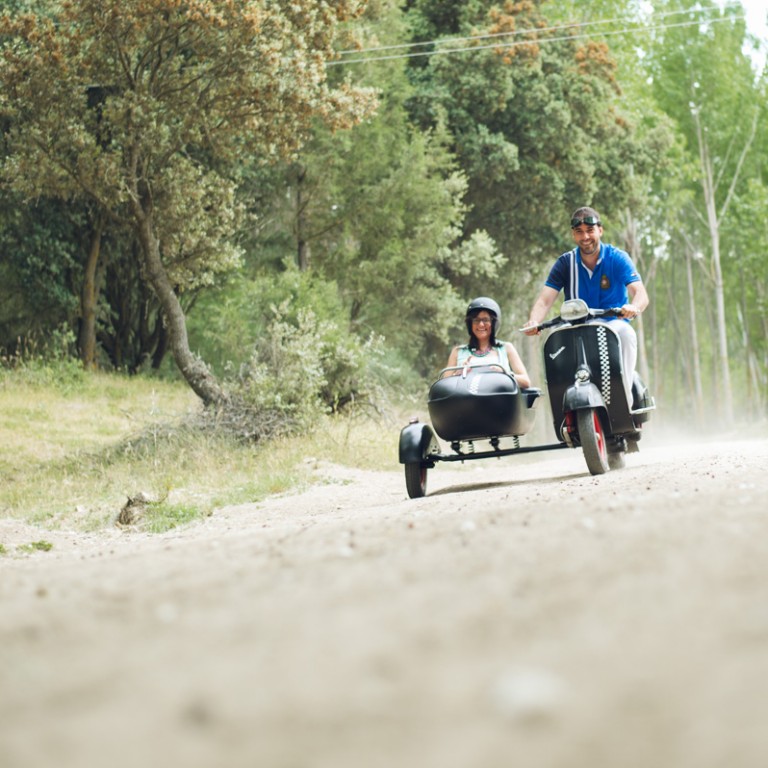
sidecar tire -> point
(415, 480)
(593, 442)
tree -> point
(181, 93)
(378, 213)
(40, 244)
(536, 120)
(704, 93)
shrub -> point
(51, 362)
(298, 371)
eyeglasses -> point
(590, 221)
(482, 320)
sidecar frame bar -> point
(496, 453)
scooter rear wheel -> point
(592, 437)
(415, 480)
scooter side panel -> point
(599, 346)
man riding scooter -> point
(604, 277)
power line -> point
(613, 33)
(569, 25)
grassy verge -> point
(75, 447)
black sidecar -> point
(466, 405)
(475, 403)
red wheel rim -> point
(601, 447)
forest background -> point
(290, 204)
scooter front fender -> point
(416, 442)
(579, 396)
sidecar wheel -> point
(592, 439)
(415, 480)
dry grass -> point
(75, 447)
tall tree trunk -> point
(709, 186)
(303, 247)
(751, 373)
(682, 369)
(698, 390)
(89, 298)
(203, 383)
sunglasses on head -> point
(590, 221)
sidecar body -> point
(480, 402)
(467, 405)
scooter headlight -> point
(574, 309)
(582, 375)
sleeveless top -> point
(464, 353)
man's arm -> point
(540, 308)
(638, 300)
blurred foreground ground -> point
(523, 614)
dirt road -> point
(523, 614)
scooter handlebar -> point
(610, 312)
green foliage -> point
(355, 369)
(40, 266)
(301, 367)
(50, 362)
(383, 221)
(459, 185)
(703, 93)
(225, 323)
(304, 361)
(36, 546)
(160, 517)
(692, 85)
(278, 390)
(539, 127)
(148, 108)
(398, 253)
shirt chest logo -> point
(605, 283)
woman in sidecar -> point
(484, 393)
(478, 394)
(483, 320)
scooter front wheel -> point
(592, 437)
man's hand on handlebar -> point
(531, 328)
(629, 311)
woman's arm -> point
(453, 361)
(517, 366)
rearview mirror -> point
(574, 309)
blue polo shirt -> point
(606, 287)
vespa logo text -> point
(555, 354)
